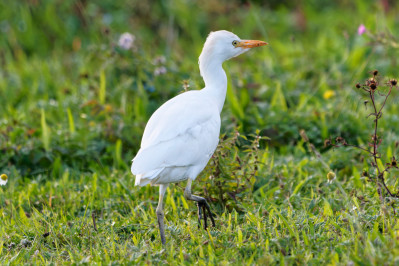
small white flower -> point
(159, 60)
(160, 71)
(3, 179)
(126, 41)
(53, 102)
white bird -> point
(183, 133)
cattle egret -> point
(183, 133)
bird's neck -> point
(215, 80)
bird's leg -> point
(202, 204)
(160, 213)
(199, 214)
(206, 205)
(205, 217)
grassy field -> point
(73, 107)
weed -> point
(233, 170)
(373, 89)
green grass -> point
(73, 107)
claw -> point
(210, 214)
(202, 205)
(204, 211)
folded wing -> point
(184, 132)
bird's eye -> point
(235, 43)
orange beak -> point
(251, 43)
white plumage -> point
(183, 133)
(179, 138)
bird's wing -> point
(176, 116)
(182, 132)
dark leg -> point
(206, 205)
(203, 206)
(199, 214)
(205, 217)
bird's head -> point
(222, 45)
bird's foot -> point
(203, 212)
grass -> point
(73, 107)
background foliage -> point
(73, 106)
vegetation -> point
(374, 89)
(74, 103)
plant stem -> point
(375, 148)
(358, 147)
(386, 97)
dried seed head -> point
(375, 72)
(339, 139)
(305, 138)
(358, 86)
(393, 82)
(327, 143)
(394, 163)
(372, 83)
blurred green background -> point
(74, 104)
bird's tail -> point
(146, 178)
